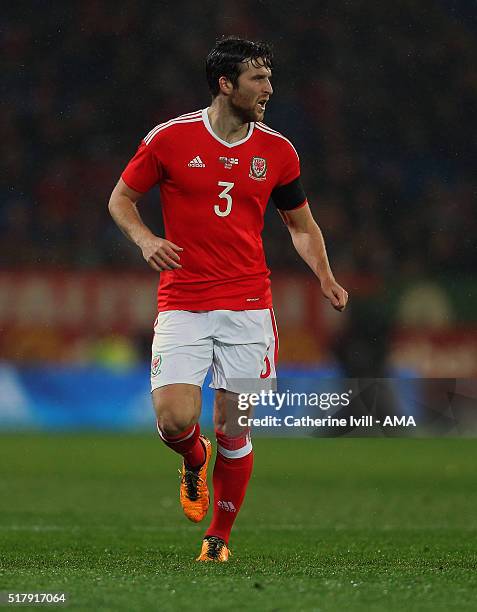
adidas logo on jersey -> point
(227, 506)
(196, 163)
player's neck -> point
(225, 124)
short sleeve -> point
(290, 164)
(288, 194)
(144, 169)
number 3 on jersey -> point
(227, 197)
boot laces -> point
(192, 482)
(214, 547)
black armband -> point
(290, 196)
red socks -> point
(232, 471)
(187, 444)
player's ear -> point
(225, 85)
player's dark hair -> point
(228, 57)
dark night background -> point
(378, 98)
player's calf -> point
(232, 471)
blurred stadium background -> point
(378, 98)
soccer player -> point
(216, 169)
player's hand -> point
(161, 254)
(335, 293)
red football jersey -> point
(214, 196)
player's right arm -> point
(159, 253)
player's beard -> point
(245, 114)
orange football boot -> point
(194, 494)
(214, 549)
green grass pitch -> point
(328, 525)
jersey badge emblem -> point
(258, 168)
(156, 365)
(229, 162)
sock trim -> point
(235, 454)
(175, 440)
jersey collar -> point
(205, 119)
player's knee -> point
(176, 409)
(233, 430)
(228, 418)
(173, 423)
(229, 423)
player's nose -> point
(268, 88)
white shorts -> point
(240, 345)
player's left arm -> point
(308, 240)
